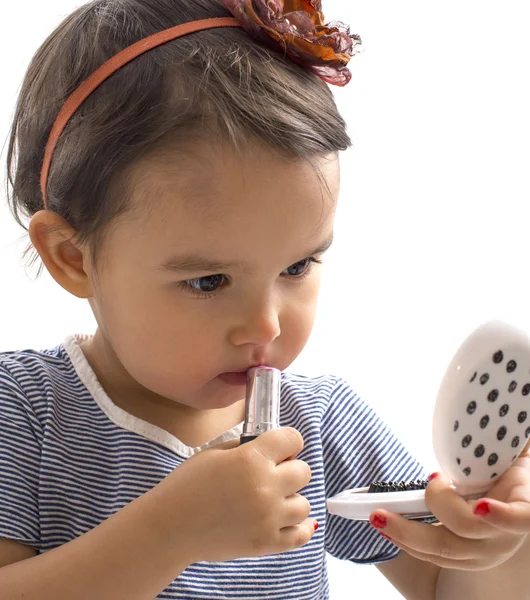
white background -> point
(432, 231)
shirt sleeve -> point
(20, 454)
(359, 448)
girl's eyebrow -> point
(197, 263)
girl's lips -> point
(234, 378)
(239, 377)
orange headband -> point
(296, 28)
(110, 67)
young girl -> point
(188, 191)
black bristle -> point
(428, 520)
(397, 486)
(401, 486)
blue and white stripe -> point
(70, 458)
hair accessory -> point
(297, 28)
(480, 425)
(323, 49)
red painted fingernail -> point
(482, 509)
(316, 525)
(386, 536)
(433, 476)
(378, 521)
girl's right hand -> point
(235, 501)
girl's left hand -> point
(472, 535)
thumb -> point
(229, 445)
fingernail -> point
(378, 521)
(482, 509)
(433, 476)
(386, 536)
(316, 525)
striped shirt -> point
(70, 458)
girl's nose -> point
(259, 325)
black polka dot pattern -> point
(503, 410)
(471, 408)
(511, 366)
(498, 357)
(493, 395)
(496, 395)
(479, 451)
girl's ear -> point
(66, 261)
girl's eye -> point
(204, 286)
(302, 268)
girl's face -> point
(220, 273)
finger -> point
(513, 517)
(454, 511)
(278, 445)
(293, 476)
(447, 563)
(296, 535)
(425, 539)
(295, 510)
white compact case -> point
(481, 423)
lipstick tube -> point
(262, 402)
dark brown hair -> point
(218, 83)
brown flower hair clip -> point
(297, 27)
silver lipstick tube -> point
(262, 404)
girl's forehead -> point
(224, 187)
(219, 209)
